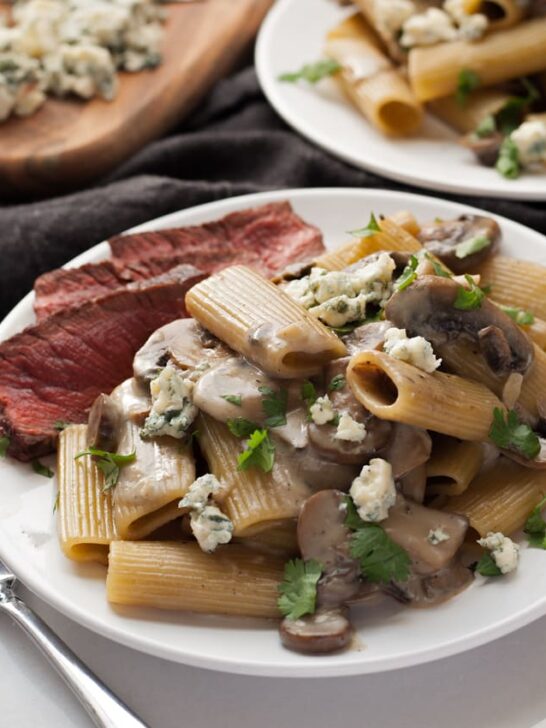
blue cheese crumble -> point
(530, 140)
(209, 525)
(322, 411)
(415, 350)
(349, 429)
(439, 25)
(504, 552)
(340, 297)
(373, 491)
(172, 408)
(437, 535)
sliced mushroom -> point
(486, 148)
(327, 630)
(442, 238)
(409, 525)
(183, 340)
(425, 591)
(408, 448)
(319, 473)
(414, 483)
(426, 308)
(537, 463)
(133, 399)
(366, 337)
(103, 426)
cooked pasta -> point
(501, 13)
(466, 118)
(180, 576)
(452, 466)
(86, 521)
(516, 283)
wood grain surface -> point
(69, 142)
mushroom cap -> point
(328, 630)
(426, 308)
(103, 425)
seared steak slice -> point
(266, 238)
(55, 369)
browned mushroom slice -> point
(367, 337)
(426, 591)
(182, 340)
(430, 537)
(413, 484)
(328, 630)
(442, 238)
(103, 426)
(408, 448)
(426, 308)
(319, 473)
(537, 463)
(486, 148)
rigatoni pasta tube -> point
(252, 499)
(233, 580)
(445, 403)
(86, 522)
(254, 317)
(371, 82)
(452, 466)
(517, 283)
(465, 119)
(392, 237)
(500, 13)
(501, 498)
(434, 71)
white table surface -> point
(500, 685)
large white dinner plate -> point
(293, 34)
(389, 636)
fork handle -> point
(103, 707)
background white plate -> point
(293, 34)
(390, 636)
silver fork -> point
(104, 708)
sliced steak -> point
(266, 238)
(55, 369)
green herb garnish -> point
(60, 425)
(511, 114)
(408, 274)
(274, 406)
(109, 463)
(467, 82)
(56, 502)
(240, 427)
(508, 160)
(42, 469)
(312, 72)
(381, 559)
(371, 228)
(468, 299)
(487, 127)
(298, 590)
(309, 396)
(337, 382)
(511, 434)
(471, 246)
(535, 526)
(486, 566)
(259, 452)
(521, 317)
(4, 444)
(235, 399)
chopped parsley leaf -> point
(60, 425)
(535, 526)
(486, 566)
(508, 160)
(56, 502)
(109, 463)
(259, 452)
(467, 82)
(487, 127)
(309, 396)
(298, 590)
(381, 559)
(240, 427)
(438, 268)
(371, 228)
(42, 469)
(274, 406)
(511, 434)
(312, 72)
(471, 246)
(337, 382)
(469, 299)
(4, 444)
(408, 274)
(521, 317)
(512, 113)
(235, 399)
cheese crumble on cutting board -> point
(63, 47)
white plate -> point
(389, 636)
(293, 34)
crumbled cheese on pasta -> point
(504, 552)
(209, 525)
(322, 411)
(391, 15)
(437, 535)
(373, 491)
(472, 26)
(340, 297)
(428, 28)
(530, 140)
(415, 350)
(349, 429)
(172, 408)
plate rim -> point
(149, 645)
(272, 91)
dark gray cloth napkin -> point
(232, 145)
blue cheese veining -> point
(209, 525)
(172, 408)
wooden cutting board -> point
(69, 142)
